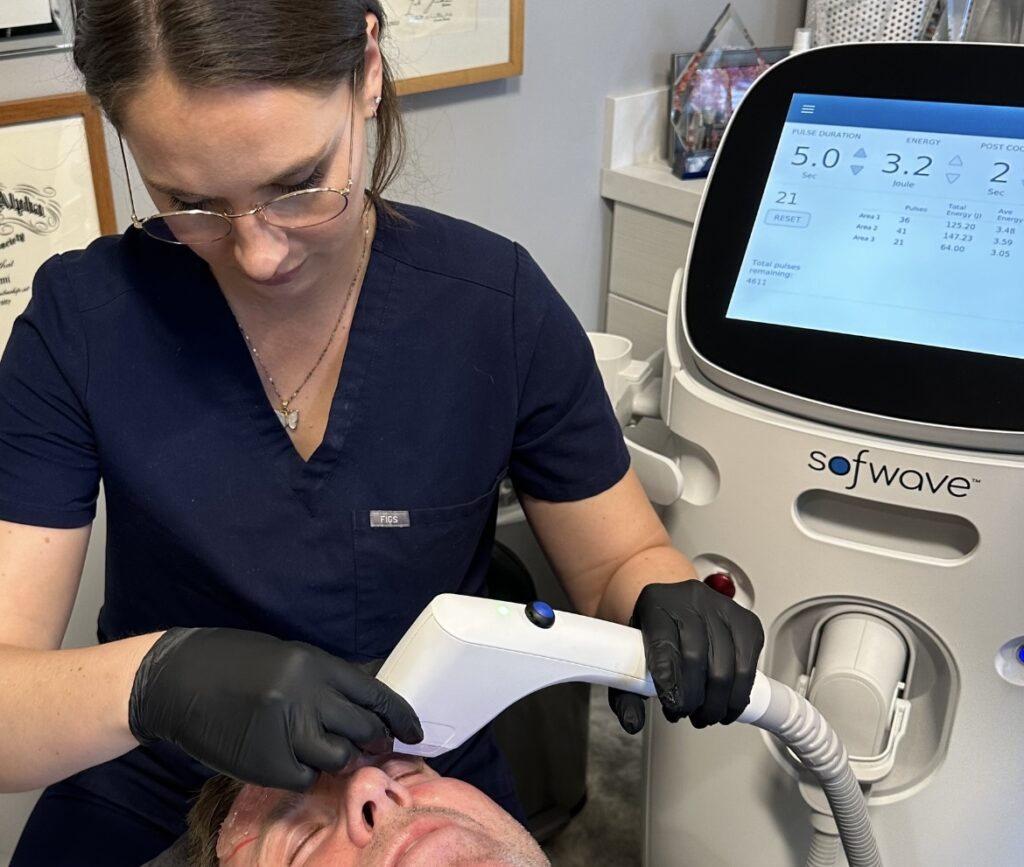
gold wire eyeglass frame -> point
(260, 208)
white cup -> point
(613, 354)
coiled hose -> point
(824, 850)
(776, 708)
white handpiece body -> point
(466, 659)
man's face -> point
(381, 812)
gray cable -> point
(802, 728)
(824, 850)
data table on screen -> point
(892, 219)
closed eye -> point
(405, 769)
(304, 845)
(314, 180)
(179, 205)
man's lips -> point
(413, 835)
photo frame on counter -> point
(436, 44)
(747, 63)
(55, 192)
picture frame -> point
(733, 58)
(35, 26)
(55, 190)
(437, 44)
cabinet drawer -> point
(647, 249)
(644, 326)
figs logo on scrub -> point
(863, 470)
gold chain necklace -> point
(290, 418)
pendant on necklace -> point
(288, 419)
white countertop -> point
(635, 170)
(654, 188)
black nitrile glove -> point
(702, 651)
(265, 711)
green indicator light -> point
(503, 610)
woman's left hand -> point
(702, 650)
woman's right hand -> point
(265, 711)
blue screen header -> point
(954, 118)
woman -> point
(301, 400)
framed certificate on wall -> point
(434, 44)
(24, 13)
(54, 190)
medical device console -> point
(870, 259)
(466, 659)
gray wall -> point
(520, 156)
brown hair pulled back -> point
(204, 44)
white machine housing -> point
(816, 508)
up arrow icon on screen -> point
(952, 178)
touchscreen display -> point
(892, 219)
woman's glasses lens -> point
(305, 208)
(195, 228)
(297, 210)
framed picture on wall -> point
(54, 190)
(35, 26)
(434, 44)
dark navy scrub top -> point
(463, 366)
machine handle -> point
(660, 476)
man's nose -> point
(370, 798)
(259, 247)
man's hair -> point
(206, 816)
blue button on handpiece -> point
(540, 614)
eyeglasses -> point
(301, 209)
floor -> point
(607, 829)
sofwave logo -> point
(861, 469)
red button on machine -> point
(722, 583)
